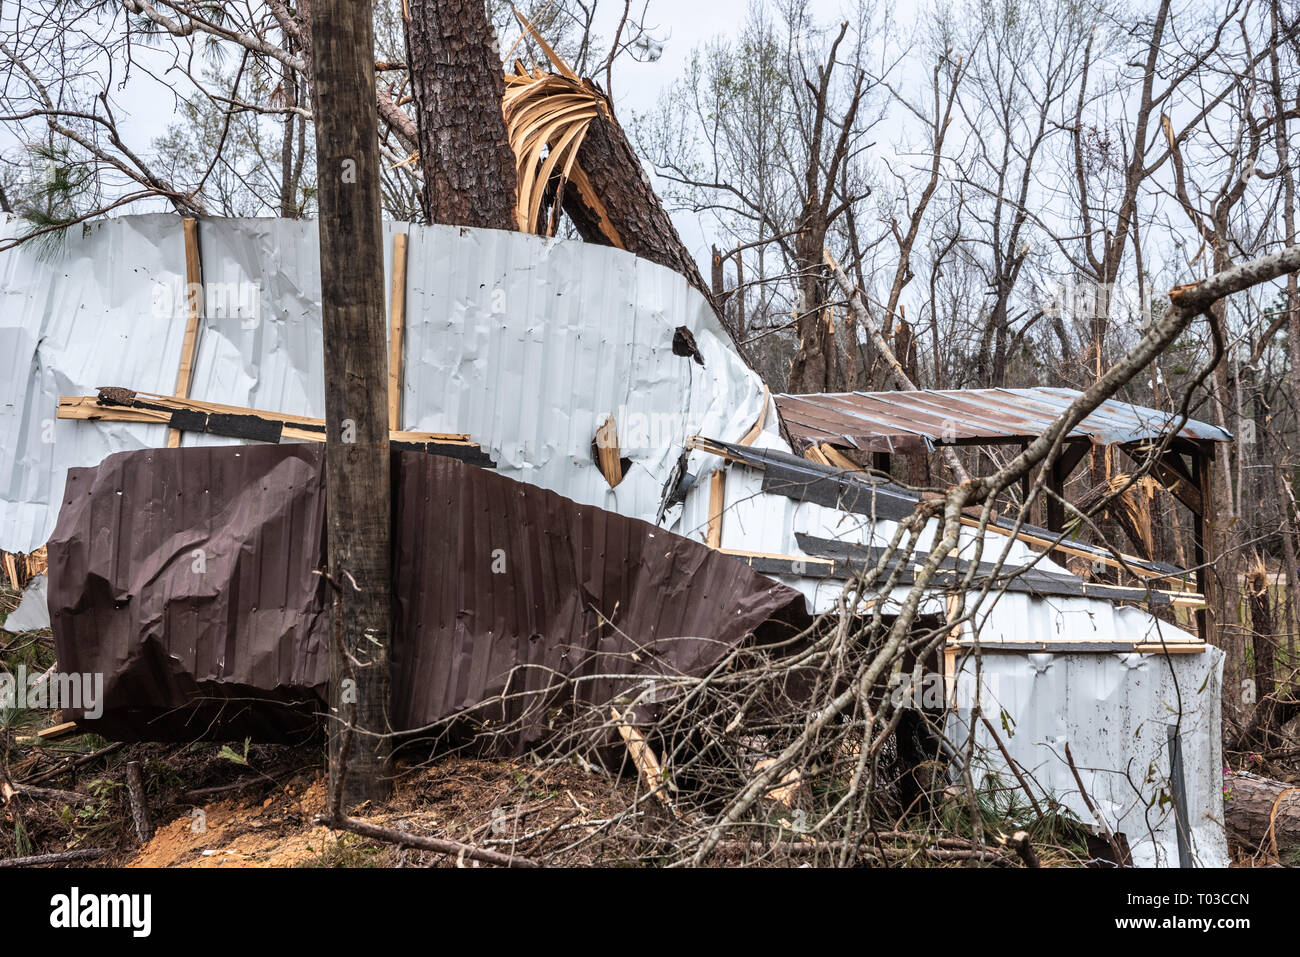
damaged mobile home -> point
(581, 417)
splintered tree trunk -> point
(612, 203)
(356, 395)
(458, 85)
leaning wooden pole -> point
(356, 393)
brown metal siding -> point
(235, 650)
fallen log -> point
(1261, 814)
(61, 857)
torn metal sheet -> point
(1118, 713)
(926, 418)
(884, 503)
(524, 343)
(188, 579)
(533, 596)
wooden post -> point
(1069, 457)
(1203, 540)
(356, 414)
(717, 504)
(396, 332)
(193, 310)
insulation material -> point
(1118, 713)
(32, 613)
(522, 342)
(187, 577)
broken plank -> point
(644, 757)
(756, 429)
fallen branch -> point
(61, 857)
(424, 842)
(44, 794)
(72, 765)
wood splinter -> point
(645, 759)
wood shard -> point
(607, 451)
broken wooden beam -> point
(645, 759)
(189, 415)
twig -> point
(65, 768)
(1087, 801)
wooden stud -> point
(717, 502)
(194, 309)
(396, 331)
(1203, 537)
(835, 457)
(805, 559)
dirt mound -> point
(480, 802)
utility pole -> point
(356, 392)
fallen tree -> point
(1261, 815)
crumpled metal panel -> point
(555, 606)
(922, 419)
(74, 316)
(187, 578)
(1115, 711)
(523, 342)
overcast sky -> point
(146, 110)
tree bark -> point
(458, 86)
(139, 803)
(356, 393)
(616, 205)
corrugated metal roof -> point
(903, 421)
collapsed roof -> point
(587, 372)
(927, 418)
